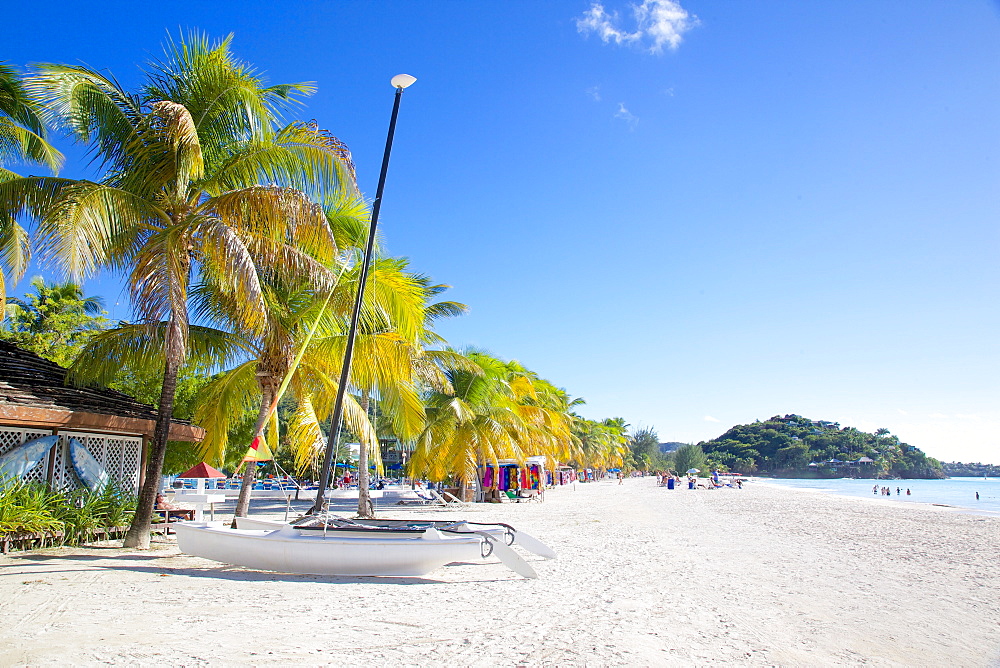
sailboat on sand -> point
(322, 545)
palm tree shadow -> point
(141, 563)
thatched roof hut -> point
(35, 401)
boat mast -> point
(400, 81)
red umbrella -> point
(202, 470)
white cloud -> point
(626, 115)
(938, 415)
(709, 418)
(597, 20)
(902, 412)
(595, 92)
(658, 23)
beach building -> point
(35, 401)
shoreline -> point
(878, 499)
(755, 577)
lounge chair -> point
(520, 495)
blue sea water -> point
(957, 492)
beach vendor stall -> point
(508, 475)
(562, 475)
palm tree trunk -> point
(365, 508)
(243, 503)
(138, 532)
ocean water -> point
(957, 492)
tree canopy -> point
(793, 445)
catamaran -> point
(335, 548)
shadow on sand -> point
(143, 563)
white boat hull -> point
(499, 532)
(285, 550)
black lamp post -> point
(399, 82)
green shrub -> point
(33, 507)
(27, 508)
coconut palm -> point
(389, 359)
(392, 360)
(499, 410)
(51, 301)
(603, 444)
(22, 133)
(180, 196)
(22, 139)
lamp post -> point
(399, 82)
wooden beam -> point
(30, 416)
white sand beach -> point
(645, 576)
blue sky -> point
(691, 214)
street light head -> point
(402, 80)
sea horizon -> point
(958, 493)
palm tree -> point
(180, 195)
(391, 364)
(389, 360)
(51, 301)
(22, 139)
(499, 410)
(602, 444)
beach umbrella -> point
(202, 470)
(694, 470)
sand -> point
(645, 576)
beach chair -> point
(430, 499)
(522, 495)
(161, 521)
(529, 495)
(453, 500)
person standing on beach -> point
(875, 489)
(977, 496)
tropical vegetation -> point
(238, 235)
(54, 321)
(795, 446)
(69, 516)
(970, 470)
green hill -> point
(795, 446)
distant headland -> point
(794, 446)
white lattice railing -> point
(119, 455)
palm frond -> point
(15, 252)
(304, 436)
(91, 106)
(221, 404)
(180, 134)
(20, 144)
(138, 349)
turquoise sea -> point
(957, 492)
